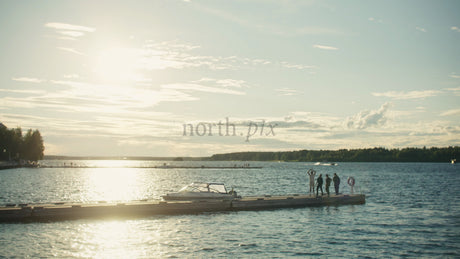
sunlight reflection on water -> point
(113, 184)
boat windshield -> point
(205, 187)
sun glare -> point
(118, 65)
(114, 184)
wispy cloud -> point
(296, 66)
(202, 88)
(72, 33)
(324, 47)
(232, 83)
(173, 54)
(71, 50)
(288, 92)
(451, 112)
(27, 79)
(420, 29)
(71, 76)
(455, 91)
(454, 75)
(69, 31)
(227, 83)
(69, 27)
(372, 19)
(21, 91)
(408, 95)
(455, 28)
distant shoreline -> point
(377, 154)
(433, 154)
(137, 158)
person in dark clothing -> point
(319, 184)
(328, 183)
(336, 181)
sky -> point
(196, 78)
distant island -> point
(377, 154)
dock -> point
(71, 211)
(154, 167)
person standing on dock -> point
(312, 174)
(336, 180)
(319, 185)
(328, 184)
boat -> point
(325, 163)
(201, 191)
(453, 161)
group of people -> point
(319, 182)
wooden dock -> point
(152, 167)
(69, 211)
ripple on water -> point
(404, 216)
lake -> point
(412, 210)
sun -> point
(118, 65)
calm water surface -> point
(412, 210)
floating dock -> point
(150, 167)
(68, 211)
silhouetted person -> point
(319, 184)
(336, 181)
(328, 183)
(312, 174)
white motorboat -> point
(326, 163)
(201, 191)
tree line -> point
(377, 154)
(16, 146)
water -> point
(412, 210)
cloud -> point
(451, 112)
(71, 50)
(307, 121)
(408, 95)
(223, 82)
(420, 29)
(71, 76)
(201, 88)
(173, 54)
(454, 75)
(296, 66)
(372, 19)
(455, 91)
(288, 91)
(72, 33)
(455, 28)
(69, 31)
(27, 79)
(113, 98)
(231, 83)
(324, 47)
(69, 27)
(21, 91)
(369, 118)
